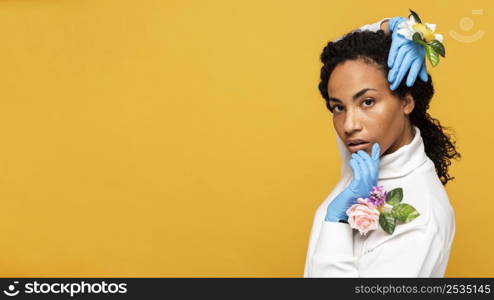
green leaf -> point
(417, 38)
(404, 212)
(387, 222)
(438, 47)
(432, 55)
(415, 16)
(394, 196)
(412, 216)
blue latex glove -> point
(365, 171)
(404, 55)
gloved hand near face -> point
(365, 173)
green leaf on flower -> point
(417, 38)
(438, 47)
(404, 212)
(415, 16)
(394, 196)
(387, 222)
(432, 55)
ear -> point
(408, 104)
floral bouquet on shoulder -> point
(381, 207)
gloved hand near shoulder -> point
(365, 173)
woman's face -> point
(364, 108)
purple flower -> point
(377, 196)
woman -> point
(400, 146)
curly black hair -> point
(373, 48)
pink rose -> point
(363, 216)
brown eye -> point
(336, 106)
(368, 101)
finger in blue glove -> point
(423, 73)
(371, 167)
(395, 43)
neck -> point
(405, 139)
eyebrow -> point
(354, 97)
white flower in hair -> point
(426, 30)
(423, 34)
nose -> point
(352, 122)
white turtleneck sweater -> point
(419, 248)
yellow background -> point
(188, 138)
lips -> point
(353, 142)
(358, 147)
(355, 145)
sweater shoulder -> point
(424, 191)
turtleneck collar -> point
(404, 160)
(392, 165)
